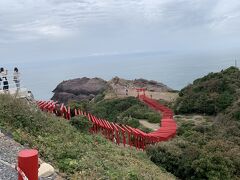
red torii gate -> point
(119, 133)
(139, 90)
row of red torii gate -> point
(119, 133)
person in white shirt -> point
(16, 78)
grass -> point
(78, 155)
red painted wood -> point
(112, 130)
(28, 164)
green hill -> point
(77, 154)
(206, 147)
(211, 94)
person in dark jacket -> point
(3, 76)
(0, 83)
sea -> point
(176, 71)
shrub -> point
(116, 110)
(81, 123)
(129, 121)
(145, 129)
(191, 161)
(152, 117)
(237, 115)
(82, 105)
(225, 100)
(202, 151)
(99, 97)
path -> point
(168, 126)
(8, 152)
(153, 126)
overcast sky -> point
(34, 30)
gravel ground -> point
(8, 154)
(7, 173)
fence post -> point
(28, 164)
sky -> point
(38, 30)
(172, 41)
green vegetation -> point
(76, 153)
(81, 123)
(211, 94)
(117, 109)
(201, 151)
(125, 111)
(205, 149)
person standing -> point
(0, 82)
(16, 77)
(4, 79)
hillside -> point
(211, 94)
(75, 153)
(206, 147)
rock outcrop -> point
(149, 85)
(86, 88)
(79, 89)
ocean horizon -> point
(175, 71)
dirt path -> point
(153, 126)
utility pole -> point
(235, 62)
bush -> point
(129, 121)
(116, 110)
(99, 97)
(152, 117)
(81, 123)
(237, 115)
(225, 100)
(193, 161)
(145, 129)
(83, 105)
(213, 167)
(206, 150)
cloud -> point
(227, 16)
(41, 30)
(108, 26)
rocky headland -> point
(88, 88)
